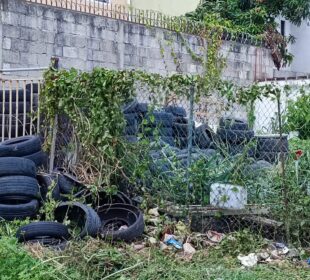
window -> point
(283, 27)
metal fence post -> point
(55, 65)
(190, 136)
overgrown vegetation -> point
(256, 18)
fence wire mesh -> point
(226, 166)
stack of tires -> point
(159, 126)
(271, 147)
(205, 138)
(236, 135)
(134, 113)
(28, 147)
(15, 106)
(19, 189)
(180, 125)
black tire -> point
(68, 184)
(84, 216)
(176, 111)
(164, 140)
(34, 87)
(181, 142)
(12, 132)
(272, 144)
(45, 181)
(14, 106)
(10, 166)
(20, 146)
(18, 208)
(142, 108)
(117, 215)
(20, 94)
(131, 130)
(19, 186)
(235, 136)
(19, 118)
(204, 137)
(130, 107)
(39, 158)
(180, 130)
(103, 199)
(241, 149)
(131, 119)
(161, 131)
(272, 157)
(234, 124)
(257, 168)
(160, 119)
(42, 229)
(131, 139)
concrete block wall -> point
(32, 33)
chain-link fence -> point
(225, 166)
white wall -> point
(300, 49)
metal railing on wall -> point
(19, 103)
(145, 17)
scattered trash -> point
(139, 247)
(124, 227)
(281, 248)
(263, 256)
(189, 249)
(249, 260)
(154, 212)
(163, 246)
(170, 240)
(215, 236)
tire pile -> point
(19, 189)
(111, 220)
(236, 135)
(20, 103)
(28, 147)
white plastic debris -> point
(189, 249)
(249, 260)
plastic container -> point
(228, 196)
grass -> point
(94, 260)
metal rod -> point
(22, 69)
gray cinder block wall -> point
(32, 33)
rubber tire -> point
(239, 149)
(131, 119)
(130, 107)
(234, 124)
(25, 209)
(45, 182)
(162, 131)
(176, 111)
(39, 229)
(272, 144)
(20, 186)
(165, 140)
(13, 134)
(21, 146)
(256, 168)
(272, 157)
(20, 107)
(180, 130)
(39, 158)
(161, 119)
(19, 118)
(10, 166)
(92, 223)
(131, 139)
(131, 130)
(181, 142)
(142, 108)
(204, 137)
(135, 229)
(67, 182)
(235, 136)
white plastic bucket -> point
(228, 196)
